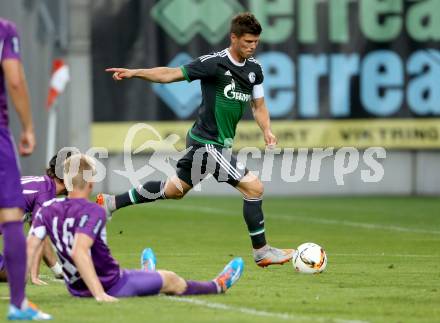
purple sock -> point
(14, 248)
(199, 288)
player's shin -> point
(15, 260)
(253, 215)
(149, 192)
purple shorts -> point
(11, 195)
(137, 283)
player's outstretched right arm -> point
(84, 263)
(156, 75)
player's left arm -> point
(83, 261)
(34, 271)
(34, 245)
(35, 265)
(262, 117)
(34, 242)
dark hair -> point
(55, 169)
(245, 23)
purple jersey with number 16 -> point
(61, 219)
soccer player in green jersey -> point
(231, 81)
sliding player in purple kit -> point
(231, 82)
(36, 191)
(11, 198)
(76, 227)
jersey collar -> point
(233, 60)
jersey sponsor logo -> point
(228, 72)
(251, 77)
(230, 93)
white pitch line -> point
(193, 254)
(304, 219)
(357, 224)
(254, 312)
(382, 255)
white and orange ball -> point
(309, 258)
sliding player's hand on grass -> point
(105, 298)
(37, 281)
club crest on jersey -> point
(230, 93)
(251, 77)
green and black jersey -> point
(227, 90)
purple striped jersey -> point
(61, 219)
(36, 191)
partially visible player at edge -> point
(231, 81)
(36, 191)
(11, 197)
(76, 227)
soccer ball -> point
(309, 258)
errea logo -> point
(184, 19)
(230, 93)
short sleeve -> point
(38, 228)
(201, 68)
(10, 44)
(258, 89)
(260, 76)
(41, 198)
(92, 222)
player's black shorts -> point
(204, 159)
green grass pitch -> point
(384, 262)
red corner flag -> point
(58, 81)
